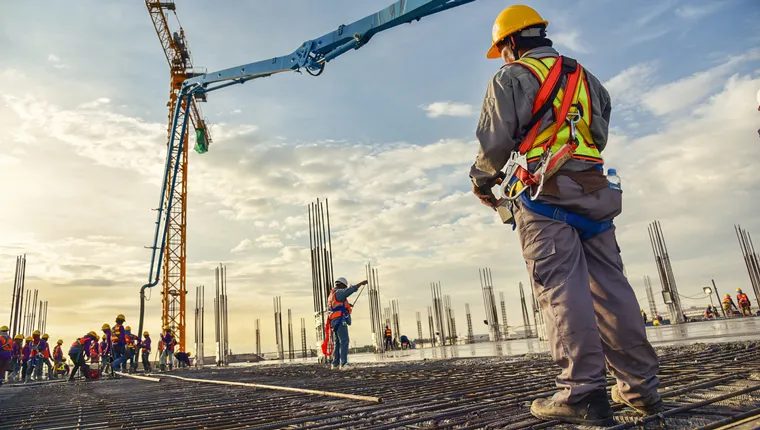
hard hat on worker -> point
(341, 281)
(738, 290)
(128, 328)
(106, 327)
(60, 342)
(4, 328)
(28, 338)
(93, 335)
(728, 296)
(145, 333)
(45, 336)
(36, 333)
(509, 21)
(120, 317)
(19, 337)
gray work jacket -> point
(508, 106)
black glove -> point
(484, 193)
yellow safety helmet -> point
(128, 328)
(145, 333)
(512, 20)
(60, 342)
(105, 327)
(36, 333)
(728, 296)
(93, 334)
(167, 328)
(4, 328)
(28, 338)
(738, 290)
(19, 337)
(121, 317)
(45, 336)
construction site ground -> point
(705, 386)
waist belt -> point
(587, 228)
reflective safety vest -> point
(116, 332)
(337, 309)
(742, 299)
(57, 352)
(35, 347)
(130, 341)
(581, 104)
(6, 344)
(388, 332)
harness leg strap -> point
(586, 227)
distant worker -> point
(131, 349)
(145, 346)
(61, 368)
(18, 342)
(388, 336)
(95, 352)
(644, 315)
(405, 343)
(106, 345)
(744, 303)
(26, 360)
(567, 237)
(340, 319)
(35, 355)
(119, 344)
(6, 351)
(709, 313)
(183, 359)
(167, 340)
(44, 358)
(728, 305)
(79, 352)
(57, 353)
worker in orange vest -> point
(79, 352)
(543, 126)
(744, 303)
(728, 305)
(339, 320)
(57, 354)
(6, 351)
(388, 336)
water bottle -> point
(614, 180)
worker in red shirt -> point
(57, 354)
(43, 358)
(744, 303)
(6, 351)
(79, 352)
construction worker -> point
(405, 343)
(18, 341)
(130, 348)
(728, 305)
(61, 368)
(95, 352)
(167, 340)
(644, 315)
(340, 319)
(36, 356)
(388, 336)
(6, 351)
(26, 357)
(145, 345)
(79, 352)
(119, 344)
(744, 303)
(183, 359)
(563, 206)
(106, 345)
(57, 355)
(43, 358)
(709, 313)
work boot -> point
(346, 366)
(642, 408)
(594, 410)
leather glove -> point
(484, 193)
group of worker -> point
(745, 306)
(23, 359)
(390, 343)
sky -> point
(386, 134)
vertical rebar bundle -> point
(664, 269)
(470, 333)
(431, 326)
(278, 327)
(303, 338)
(751, 260)
(419, 330)
(395, 318)
(504, 325)
(220, 316)
(200, 303)
(15, 324)
(32, 313)
(451, 320)
(258, 338)
(375, 317)
(320, 245)
(489, 302)
(438, 309)
(526, 317)
(650, 297)
(291, 346)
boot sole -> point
(573, 420)
(643, 412)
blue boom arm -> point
(311, 55)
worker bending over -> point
(728, 305)
(6, 351)
(567, 237)
(340, 319)
(709, 313)
(79, 352)
(744, 303)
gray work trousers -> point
(590, 310)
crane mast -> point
(174, 288)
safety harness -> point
(339, 311)
(518, 175)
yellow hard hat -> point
(36, 333)
(28, 338)
(19, 337)
(738, 290)
(93, 334)
(511, 20)
(728, 296)
(45, 336)
(106, 327)
(60, 342)
(145, 333)
(121, 317)
(4, 328)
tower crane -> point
(174, 199)
(312, 56)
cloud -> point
(626, 88)
(52, 58)
(695, 12)
(245, 245)
(571, 40)
(448, 108)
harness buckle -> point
(516, 160)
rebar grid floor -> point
(702, 385)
